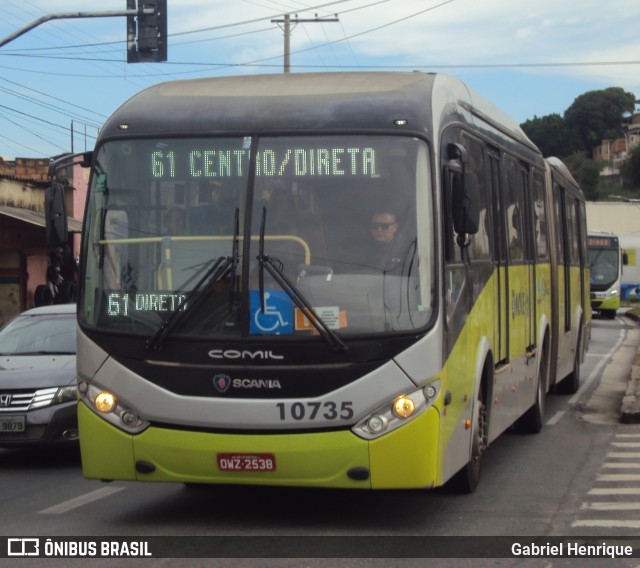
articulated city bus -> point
(605, 259)
(345, 280)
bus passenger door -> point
(562, 284)
(530, 264)
(500, 262)
(519, 267)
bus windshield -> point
(206, 227)
(604, 264)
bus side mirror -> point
(465, 195)
(625, 259)
(55, 215)
(55, 212)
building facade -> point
(25, 257)
(614, 152)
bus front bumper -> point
(404, 458)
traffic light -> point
(147, 33)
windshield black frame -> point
(417, 260)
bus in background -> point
(605, 260)
(353, 280)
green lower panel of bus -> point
(606, 304)
(405, 458)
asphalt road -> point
(575, 479)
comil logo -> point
(259, 354)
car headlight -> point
(110, 407)
(53, 395)
(65, 394)
(397, 412)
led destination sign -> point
(604, 242)
(125, 303)
(281, 161)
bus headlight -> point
(105, 402)
(397, 412)
(111, 408)
(404, 407)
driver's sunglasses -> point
(381, 226)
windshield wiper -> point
(217, 272)
(235, 255)
(274, 268)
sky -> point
(60, 81)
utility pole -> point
(286, 21)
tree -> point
(551, 135)
(587, 174)
(592, 117)
(598, 115)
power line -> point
(5, 139)
(52, 97)
(318, 7)
(43, 120)
(178, 44)
(48, 106)
(253, 63)
(38, 136)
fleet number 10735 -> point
(315, 410)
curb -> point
(630, 407)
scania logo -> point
(256, 384)
(244, 354)
(222, 383)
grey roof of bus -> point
(558, 165)
(305, 101)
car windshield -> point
(220, 228)
(39, 334)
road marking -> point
(615, 491)
(611, 506)
(621, 465)
(626, 444)
(614, 524)
(555, 418)
(634, 455)
(619, 477)
(82, 500)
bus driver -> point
(383, 252)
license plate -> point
(12, 424)
(246, 462)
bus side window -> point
(479, 248)
(514, 207)
(540, 217)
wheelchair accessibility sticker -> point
(277, 318)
